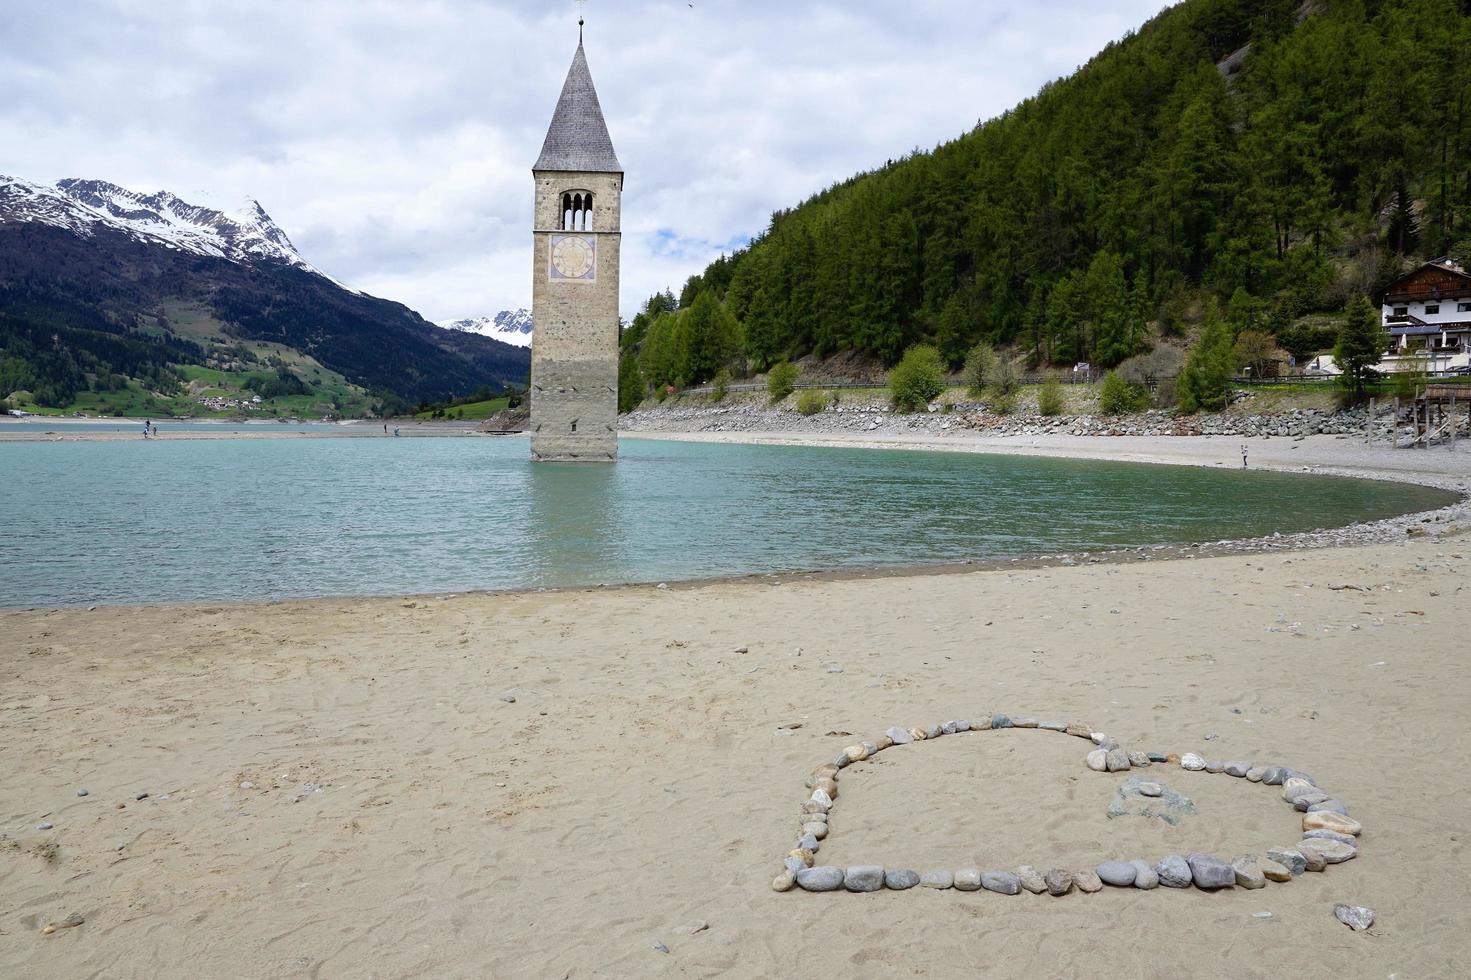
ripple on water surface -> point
(217, 520)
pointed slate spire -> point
(578, 138)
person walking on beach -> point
(385, 428)
(1243, 455)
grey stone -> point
(1332, 851)
(1290, 858)
(983, 725)
(1295, 787)
(794, 865)
(937, 879)
(1145, 876)
(508, 698)
(1031, 879)
(1000, 721)
(1191, 761)
(1328, 806)
(1139, 759)
(1107, 742)
(1059, 882)
(1002, 882)
(1302, 801)
(809, 842)
(823, 878)
(900, 879)
(1248, 873)
(1274, 775)
(1025, 722)
(968, 880)
(899, 736)
(951, 727)
(45, 825)
(1174, 872)
(1215, 766)
(1117, 760)
(1158, 756)
(1087, 881)
(1312, 857)
(82, 791)
(1209, 871)
(1097, 760)
(1356, 917)
(1238, 769)
(1299, 774)
(1052, 726)
(1330, 835)
(1151, 789)
(141, 796)
(864, 878)
(1120, 874)
(1255, 774)
(933, 731)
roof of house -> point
(1444, 269)
(1429, 329)
(578, 138)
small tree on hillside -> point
(977, 369)
(1259, 352)
(781, 379)
(917, 379)
(1362, 341)
(1205, 382)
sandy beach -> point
(552, 785)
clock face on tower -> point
(574, 258)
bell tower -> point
(574, 348)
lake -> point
(214, 520)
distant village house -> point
(1428, 315)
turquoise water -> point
(136, 521)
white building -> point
(1428, 315)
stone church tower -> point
(574, 349)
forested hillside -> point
(1284, 157)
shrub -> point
(1120, 397)
(1154, 367)
(811, 401)
(977, 367)
(782, 379)
(1003, 377)
(1407, 385)
(1002, 404)
(917, 379)
(1050, 398)
(721, 386)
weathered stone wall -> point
(574, 351)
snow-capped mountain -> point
(247, 236)
(508, 326)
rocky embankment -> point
(881, 420)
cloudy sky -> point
(393, 139)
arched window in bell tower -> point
(577, 211)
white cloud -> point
(393, 140)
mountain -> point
(508, 326)
(98, 282)
(1277, 157)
